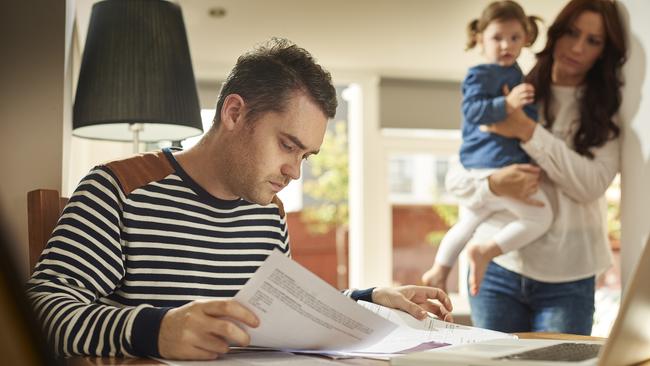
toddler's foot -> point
(436, 277)
(479, 256)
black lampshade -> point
(136, 68)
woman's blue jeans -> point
(509, 302)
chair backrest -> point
(44, 206)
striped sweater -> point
(136, 238)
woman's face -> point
(578, 49)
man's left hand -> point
(415, 300)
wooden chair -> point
(44, 206)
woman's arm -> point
(518, 181)
(579, 177)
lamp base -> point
(136, 128)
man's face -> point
(267, 154)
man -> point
(150, 250)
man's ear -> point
(232, 111)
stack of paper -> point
(300, 312)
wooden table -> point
(113, 361)
(100, 361)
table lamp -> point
(136, 81)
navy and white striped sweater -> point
(138, 237)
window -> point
(419, 178)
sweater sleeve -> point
(579, 177)
(82, 263)
(357, 295)
(479, 106)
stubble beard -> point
(249, 186)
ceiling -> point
(398, 38)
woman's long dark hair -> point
(601, 98)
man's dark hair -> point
(267, 76)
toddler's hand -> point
(519, 96)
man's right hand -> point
(203, 329)
(518, 181)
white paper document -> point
(420, 335)
(299, 311)
(432, 329)
(413, 335)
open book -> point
(300, 312)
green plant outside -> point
(449, 215)
(330, 186)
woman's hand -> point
(415, 300)
(518, 181)
(517, 125)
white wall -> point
(32, 114)
(635, 113)
(85, 154)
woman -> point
(549, 284)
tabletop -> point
(112, 361)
